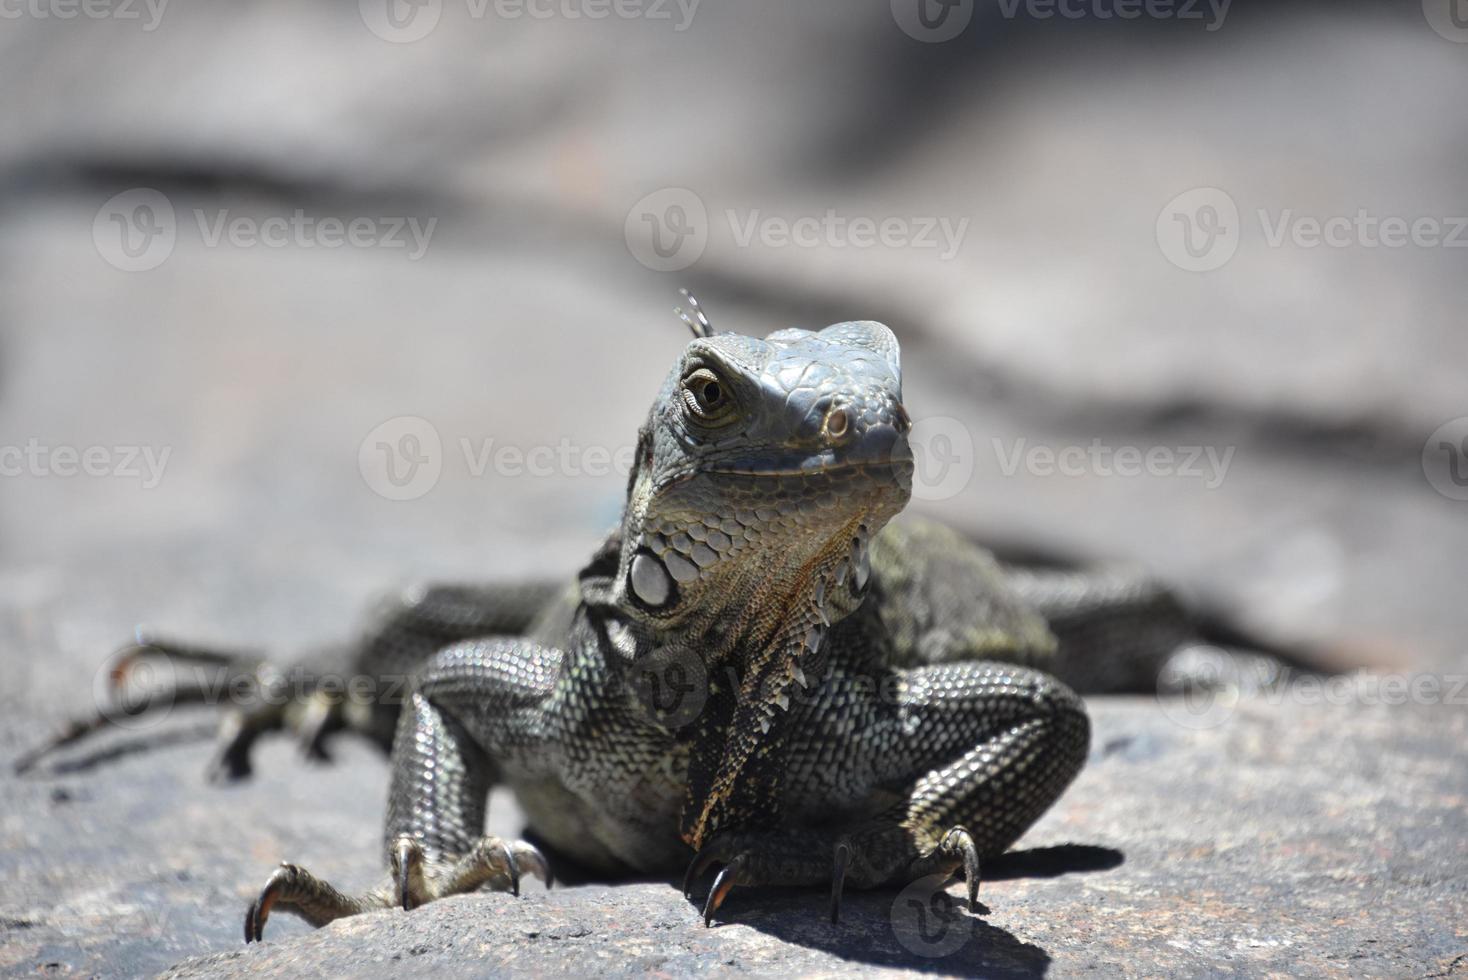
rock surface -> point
(1291, 838)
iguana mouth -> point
(818, 470)
(891, 454)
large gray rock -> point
(1301, 837)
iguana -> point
(756, 671)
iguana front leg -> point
(974, 751)
(441, 777)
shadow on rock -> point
(921, 933)
(924, 927)
(32, 764)
(1052, 862)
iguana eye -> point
(707, 397)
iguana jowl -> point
(755, 672)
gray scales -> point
(759, 671)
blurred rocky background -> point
(300, 301)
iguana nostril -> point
(838, 424)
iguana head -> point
(764, 468)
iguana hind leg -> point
(199, 675)
(260, 696)
(869, 855)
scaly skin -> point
(755, 671)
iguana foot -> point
(414, 879)
(870, 856)
(954, 852)
(198, 676)
(292, 888)
(495, 862)
(403, 630)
